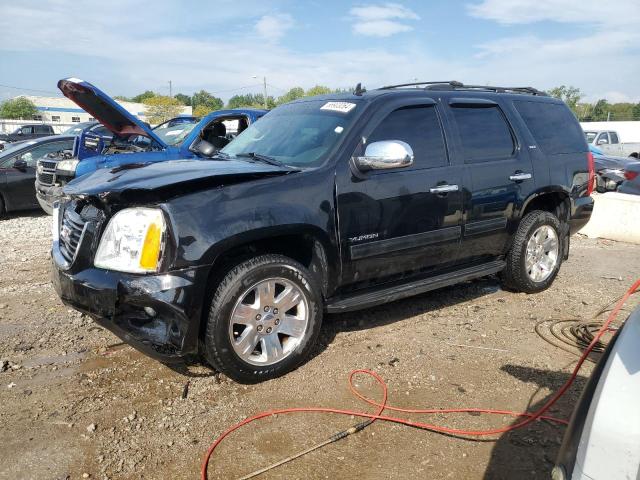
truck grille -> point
(71, 229)
(46, 178)
(47, 172)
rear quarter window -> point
(553, 127)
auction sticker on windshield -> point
(343, 107)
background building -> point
(60, 112)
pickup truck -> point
(610, 143)
(26, 132)
(133, 141)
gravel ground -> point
(76, 403)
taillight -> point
(630, 175)
(592, 173)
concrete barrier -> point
(616, 216)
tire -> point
(2, 212)
(228, 345)
(517, 275)
(47, 209)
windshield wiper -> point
(265, 159)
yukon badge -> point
(366, 236)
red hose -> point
(530, 417)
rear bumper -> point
(581, 209)
(117, 302)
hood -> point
(105, 109)
(171, 177)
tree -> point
(635, 113)
(122, 98)
(206, 100)
(141, 98)
(250, 100)
(183, 99)
(318, 90)
(293, 94)
(202, 110)
(161, 108)
(600, 111)
(569, 95)
(18, 108)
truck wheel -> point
(47, 209)
(536, 254)
(264, 319)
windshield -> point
(299, 134)
(77, 129)
(175, 134)
(590, 136)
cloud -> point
(381, 20)
(273, 27)
(513, 12)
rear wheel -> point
(265, 317)
(536, 254)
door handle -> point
(444, 189)
(519, 176)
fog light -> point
(150, 311)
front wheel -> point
(535, 257)
(265, 317)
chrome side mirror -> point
(603, 141)
(384, 155)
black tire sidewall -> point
(516, 271)
(219, 350)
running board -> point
(371, 298)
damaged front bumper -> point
(157, 314)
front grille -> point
(48, 165)
(71, 229)
(46, 178)
(47, 172)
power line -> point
(30, 89)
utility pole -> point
(170, 91)
(264, 80)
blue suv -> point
(133, 141)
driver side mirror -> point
(385, 155)
(204, 148)
(20, 164)
(20, 132)
(603, 141)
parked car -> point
(610, 143)
(26, 132)
(602, 440)
(631, 182)
(18, 170)
(327, 204)
(609, 170)
(174, 139)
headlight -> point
(133, 241)
(67, 165)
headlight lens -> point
(67, 165)
(133, 241)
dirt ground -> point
(75, 403)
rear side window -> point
(553, 126)
(484, 133)
(614, 137)
(419, 127)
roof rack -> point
(455, 85)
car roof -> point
(437, 90)
(27, 144)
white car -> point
(602, 441)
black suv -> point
(327, 204)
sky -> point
(226, 47)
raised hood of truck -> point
(105, 109)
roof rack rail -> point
(455, 85)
